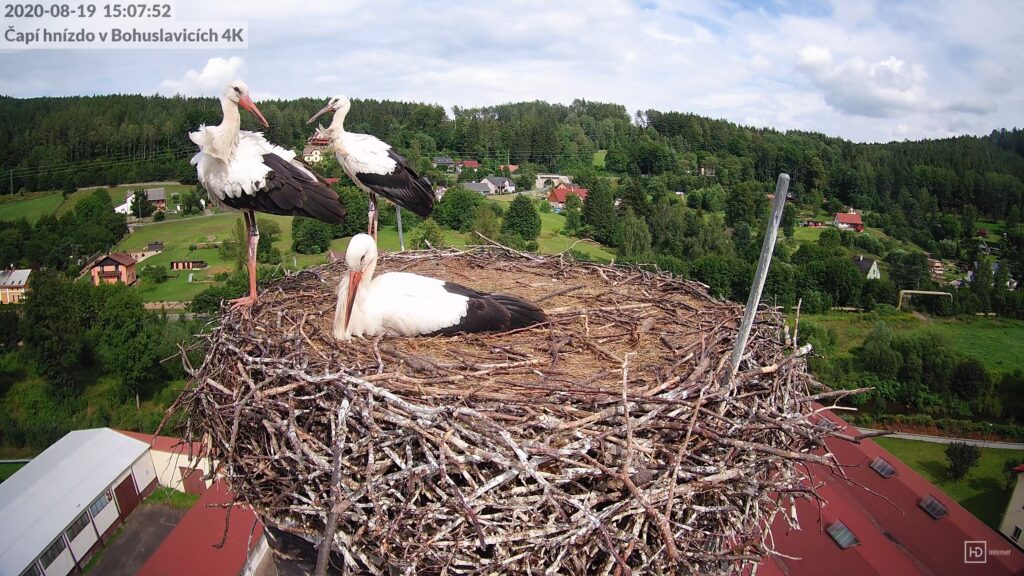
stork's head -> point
(238, 93)
(361, 258)
(339, 105)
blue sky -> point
(867, 71)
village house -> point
(466, 165)
(13, 283)
(501, 184)
(848, 220)
(1013, 520)
(157, 197)
(312, 155)
(443, 163)
(157, 246)
(867, 266)
(558, 194)
(481, 187)
(113, 268)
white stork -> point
(243, 172)
(404, 304)
(375, 166)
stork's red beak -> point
(353, 283)
(322, 111)
(248, 104)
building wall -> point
(874, 274)
(106, 517)
(11, 295)
(144, 473)
(61, 565)
(1015, 513)
(82, 543)
(168, 467)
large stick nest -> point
(605, 441)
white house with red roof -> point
(560, 193)
(848, 220)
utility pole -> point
(770, 235)
(401, 237)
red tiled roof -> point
(191, 547)
(511, 167)
(119, 257)
(560, 193)
(896, 536)
(469, 163)
(846, 218)
(165, 443)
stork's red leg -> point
(371, 217)
(254, 240)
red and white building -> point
(848, 220)
(560, 193)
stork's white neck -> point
(225, 138)
(359, 319)
(338, 122)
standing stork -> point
(243, 172)
(375, 167)
(404, 304)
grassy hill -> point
(30, 206)
(997, 342)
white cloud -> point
(208, 82)
(887, 88)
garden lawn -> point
(980, 492)
(805, 234)
(997, 342)
(8, 469)
(31, 207)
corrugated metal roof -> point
(48, 493)
(14, 278)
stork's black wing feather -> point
(289, 191)
(403, 186)
(492, 312)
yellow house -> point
(12, 285)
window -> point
(1016, 534)
(51, 553)
(842, 535)
(933, 507)
(77, 526)
(32, 570)
(99, 504)
(885, 469)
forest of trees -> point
(933, 194)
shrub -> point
(961, 457)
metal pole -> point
(401, 237)
(770, 235)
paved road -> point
(145, 529)
(947, 440)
